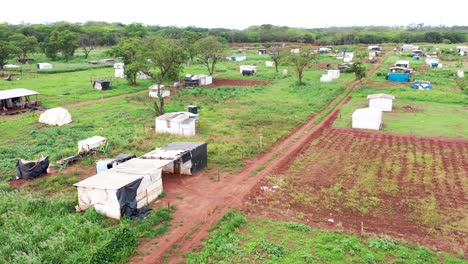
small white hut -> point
(334, 74)
(119, 70)
(367, 118)
(178, 123)
(382, 102)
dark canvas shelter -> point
(101, 85)
(31, 169)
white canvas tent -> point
(382, 102)
(55, 117)
(131, 185)
(270, 63)
(178, 123)
(91, 143)
(367, 118)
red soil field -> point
(420, 186)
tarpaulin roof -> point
(14, 93)
(123, 174)
(173, 150)
(178, 116)
(380, 95)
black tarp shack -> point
(187, 157)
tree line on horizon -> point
(64, 38)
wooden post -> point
(261, 142)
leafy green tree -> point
(299, 62)
(65, 42)
(5, 31)
(88, 42)
(136, 30)
(188, 41)
(7, 51)
(164, 57)
(130, 49)
(24, 44)
(277, 55)
(359, 70)
(209, 51)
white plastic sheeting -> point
(326, 78)
(91, 143)
(55, 117)
(100, 190)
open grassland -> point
(67, 88)
(232, 119)
(408, 188)
(248, 239)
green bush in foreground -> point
(234, 239)
(43, 230)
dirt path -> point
(201, 201)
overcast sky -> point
(239, 14)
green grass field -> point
(240, 239)
(415, 118)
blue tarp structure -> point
(398, 77)
(422, 85)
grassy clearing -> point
(415, 118)
(66, 88)
(239, 239)
(232, 120)
(43, 230)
